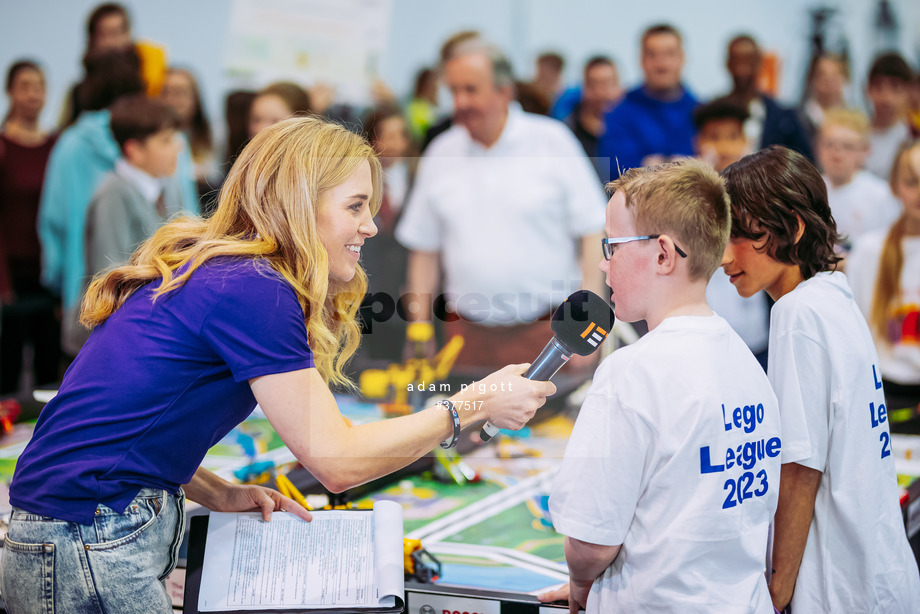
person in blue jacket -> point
(769, 122)
(83, 155)
(654, 122)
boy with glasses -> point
(839, 543)
(671, 475)
(860, 202)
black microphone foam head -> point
(582, 322)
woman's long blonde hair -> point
(891, 261)
(267, 209)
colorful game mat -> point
(494, 533)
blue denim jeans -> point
(119, 563)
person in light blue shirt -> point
(82, 156)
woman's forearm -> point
(206, 488)
(304, 413)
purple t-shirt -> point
(156, 386)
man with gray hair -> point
(506, 204)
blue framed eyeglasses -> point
(607, 244)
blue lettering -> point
(878, 382)
(705, 465)
(750, 418)
(747, 417)
(878, 417)
(773, 447)
(749, 455)
(729, 458)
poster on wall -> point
(337, 43)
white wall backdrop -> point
(195, 34)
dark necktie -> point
(161, 204)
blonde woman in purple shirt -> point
(255, 304)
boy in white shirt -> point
(839, 543)
(670, 477)
(860, 201)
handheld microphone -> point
(580, 324)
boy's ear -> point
(132, 149)
(801, 228)
(667, 256)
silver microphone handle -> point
(542, 369)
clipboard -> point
(197, 547)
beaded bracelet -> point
(455, 418)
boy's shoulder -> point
(114, 186)
(621, 370)
(664, 352)
(684, 364)
(812, 304)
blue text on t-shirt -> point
(878, 416)
(745, 455)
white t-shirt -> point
(863, 205)
(506, 219)
(825, 372)
(653, 464)
(899, 351)
(884, 146)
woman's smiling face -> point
(345, 221)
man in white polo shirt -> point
(508, 206)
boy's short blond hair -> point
(852, 119)
(685, 199)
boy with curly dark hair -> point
(839, 543)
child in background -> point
(135, 199)
(181, 92)
(887, 88)
(670, 477)
(839, 543)
(884, 270)
(860, 202)
(826, 87)
(276, 102)
(384, 259)
(138, 196)
(720, 140)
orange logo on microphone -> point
(596, 337)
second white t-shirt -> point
(824, 369)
